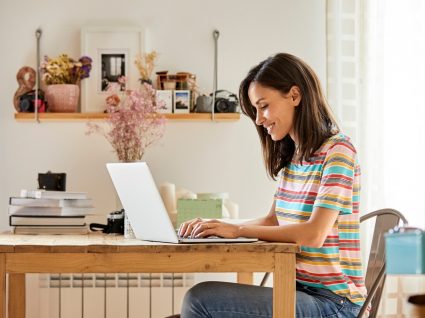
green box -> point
(188, 209)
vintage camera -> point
(27, 102)
(52, 181)
(115, 223)
(225, 102)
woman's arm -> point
(188, 228)
(311, 233)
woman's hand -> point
(186, 228)
(203, 228)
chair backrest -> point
(385, 219)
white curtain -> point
(376, 86)
(393, 106)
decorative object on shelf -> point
(145, 63)
(181, 101)
(113, 50)
(134, 123)
(63, 98)
(166, 98)
(224, 102)
(63, 75)
(178, 81)
(24, 98)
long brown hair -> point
(313, 121)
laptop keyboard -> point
(192, 237)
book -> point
(48, 194)
(48, 230)
(48, 211)
(41, 220)
(50, 202)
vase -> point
(62, 98)
(128, 230)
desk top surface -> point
(101, 243)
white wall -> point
(204, 157)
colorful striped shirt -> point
(330, 179)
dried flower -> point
(65, 70)
(145, 64)
(134, 123)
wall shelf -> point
(75, 117)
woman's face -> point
(275, 111)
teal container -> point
(405, 252)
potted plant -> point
(62, 75)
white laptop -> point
(144, 206)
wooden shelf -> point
(52, 117)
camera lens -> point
(25, 105)
(221, 106)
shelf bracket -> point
(38, 33)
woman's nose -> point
(259, 119)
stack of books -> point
(49, 212)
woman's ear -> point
(295, 95)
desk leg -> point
(16, 296)
(2, 286)
(246, 278)
(284, 286)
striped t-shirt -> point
(330, 179)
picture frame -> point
(181, 104)
(113, 51)
(165, 96)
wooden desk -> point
(96, 253)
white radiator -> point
(105, 295)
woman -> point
(315, 205)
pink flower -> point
(133, 123)
(122, 79)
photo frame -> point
(181, 103)
(166, 97)
(113, 51)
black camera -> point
(27, 102)
(115, 223)
(225, 102)
(52, 181)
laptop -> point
(144, 206)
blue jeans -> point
(230, 300)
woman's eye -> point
(263, 107)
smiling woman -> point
(316, 204)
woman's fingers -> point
(186, 228)
(204, 229)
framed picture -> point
(165, 96)
(181, 101)
(113, 51)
